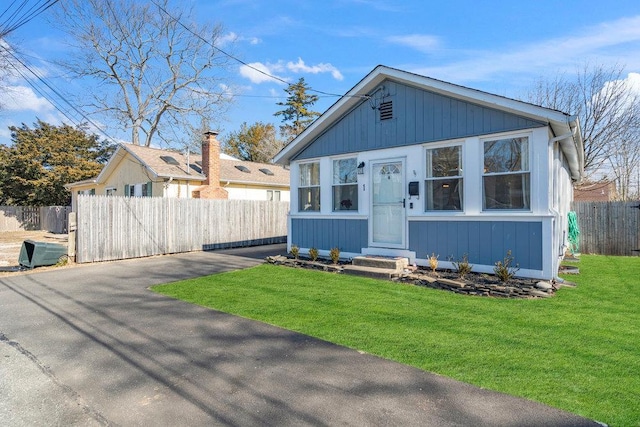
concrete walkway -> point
(91, 345)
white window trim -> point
(344, 212)
(299, 186)
(432, 146)
(530, 160)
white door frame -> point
(396, 238)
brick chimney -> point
(211, 168)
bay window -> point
(506, 176)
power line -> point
(15, 21)
(42, 92)
(241, 61)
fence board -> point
(27, 218)
(111, 228)
(608, 228)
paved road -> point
(91, 345)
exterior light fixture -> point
(361, 168)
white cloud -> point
(596, 44)
(258, 72)
(301, 67)
(421, 42)
(22, 98)
(234, 38)
(633, 82)
(227, 38)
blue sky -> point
(496, 46)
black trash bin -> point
(37, 254)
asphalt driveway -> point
(91, 345)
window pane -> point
(444, 194)
(309, 174)
(345, 197)
(444, 161)
(506, 155)
(309, 199)
(506, 191)
(344, 171)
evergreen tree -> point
(297, 115)
(43, 159)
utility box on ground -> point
(37, 254)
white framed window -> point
(443, 183)
(345, 184)
(110, 191)
(273, 195)
(506, 178)
(138, 190)
(309, 187)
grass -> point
(578, 351)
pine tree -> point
(297, 115)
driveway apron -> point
(91, 345)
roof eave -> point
(556, 119)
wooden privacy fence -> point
(26, 218)
(608, 228)
(111, 228)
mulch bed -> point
(476, 284)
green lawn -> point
(579, 351)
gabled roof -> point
(565, 127)
(166, 164)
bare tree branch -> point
(607, 109)
(149, 70)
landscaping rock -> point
(475, 284)
(541, 294)
(545, 286)
(452, 283)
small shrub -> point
(504, 269)
(313, 254)
(295, 251)
(462, 266)
(334, 253)
(433, 261)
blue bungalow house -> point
(406, 165)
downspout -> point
(556, 244)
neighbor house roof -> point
(566, 128)
(603, 191)
(165, 164)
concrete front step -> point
(397, 263)
(373, 272)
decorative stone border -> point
(474, 283)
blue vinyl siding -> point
(349, 235)
(485, 242)
(419, 116)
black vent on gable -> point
(170, 160)
(242, 168)
(386, 110)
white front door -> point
(387, 204)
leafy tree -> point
(297, 114)
(256, 143)
(43, 159)
(154, 69)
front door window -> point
(388, 220)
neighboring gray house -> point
(405, 165)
